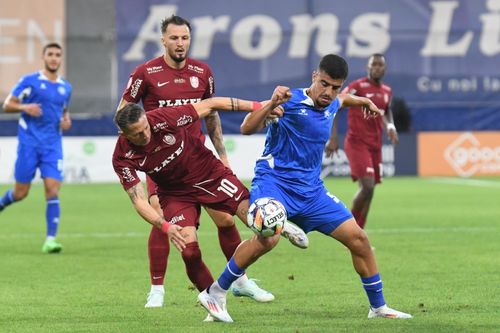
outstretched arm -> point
(254, 121)
(214, 129)
(144, 209)
(369, 108)
(206, 106)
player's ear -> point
(314, 75)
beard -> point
(51, 69)
(177, 59)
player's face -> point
(139, 133)
(324, 89)
(176, 41)
(376, 68)
(52, 57)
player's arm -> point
(12, 104)
(369, 108)
(255, 121)
(392, 133)
(148, 213)
(214, 129)
(332, 145)
(206, 106)
(65, 123)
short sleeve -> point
(136, 86)
(126, 172)
(210, 90)
(22, 89)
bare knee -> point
(359, 243)
(51, 193)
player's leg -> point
(362, 199)
(24, 172)
(213, 298)
(51, 169)
(158, 252)
(229, 239)
(363, 171)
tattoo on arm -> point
(232, 104)
(135, 193)
(214, 130)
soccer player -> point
(42, 98)
(363, 142)
(170, 80)
(289, 171)
(161, 144)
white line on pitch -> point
(466, 181)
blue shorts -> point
(47, 159)
(311, 209)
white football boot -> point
(216, 308)
(386, 312)
(295, 235)
(252, 290)
(155, 299)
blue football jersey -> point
(53, 97)
(294, 145)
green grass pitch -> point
(437, 244)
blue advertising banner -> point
(441, 55)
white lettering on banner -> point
(468, 156)
(325, 28)
(470, 84)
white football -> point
(266, 217)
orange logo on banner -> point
(462, 154)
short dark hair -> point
(376, 55)
(174, 19)
(128, 115)
(51, 45)
(335, 66)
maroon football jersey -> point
(158, 85)
(369, 131)
(174, 159)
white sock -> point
(50, 238)
(241, 281)
(217, 291)
(157, 287)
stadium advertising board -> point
(25, 26)
(462, 154)
(441, 54)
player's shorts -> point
(151, 187)
(363, 160)
(48, 159)
(311, 209)
(224, 194)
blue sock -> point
(230, 274)
(7, 199)
(373, 288)
(52, 214)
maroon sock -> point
(158, 250)
(196, 269)
(229, 239)
(360, 218)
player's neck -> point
(174, 64)
(377, 82)
(52, 76)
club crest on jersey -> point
(169, 139)
(61, 90)
(185, 119)
(195, 83)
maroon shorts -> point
(363, 160)
(224, 194)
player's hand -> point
(332, 147)
(370, 110)
(281, 95)
(393, 135)
(65, 123)
(33, 109)
(277, 112)
(175, 236)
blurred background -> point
(443, 63)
